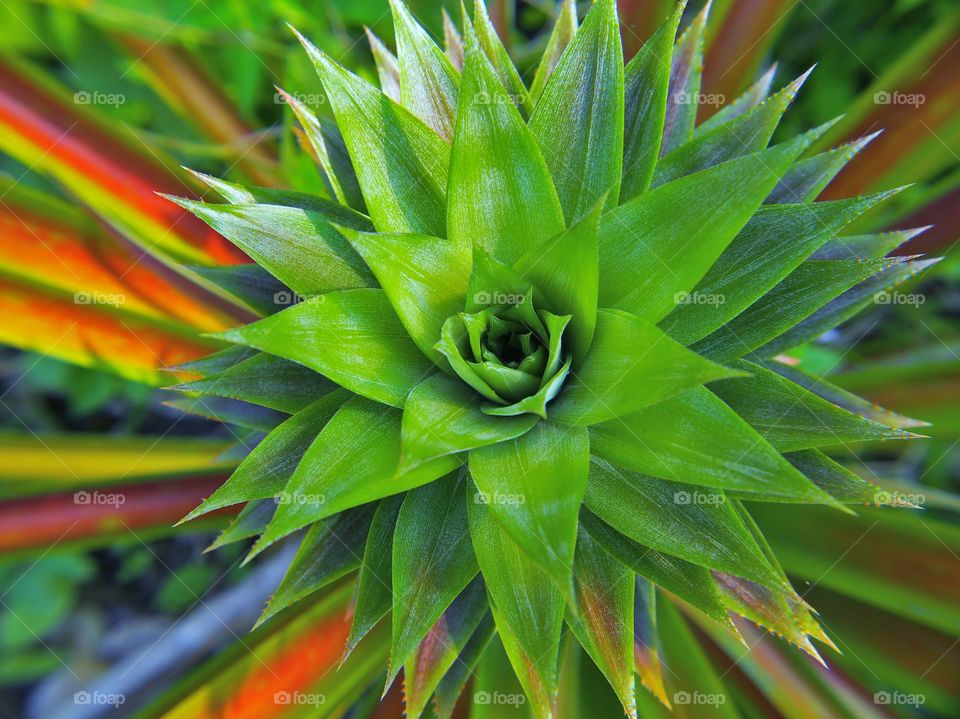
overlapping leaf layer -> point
(533, 373)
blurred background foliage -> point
(193, 83)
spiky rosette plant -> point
(534, 367)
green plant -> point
(535, 359)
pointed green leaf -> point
(833, 478)
(442, 416)
(686, 74)
(502, 198)
(749, 133)
(647, 647)
(433, 562)
(566, 270)
(301, 248)
(646, 80)
(564, 30)
(578, 121)
(533, 486)
(425, 279)
(843, 307)
(240, 195)
(443, 645)
(450, 688)
(654, 248)
(631, 365)
(230, 411)
(677, 519)
(809, 177)
(374, 593)
(841, 397)
(330, 550)
(328, 145)
(792, 418)
(388, 68)
(753, 96)
(251, 521)
(453, 41)
(771, 245)
(353, 461)
(429, 83)
(352, 337)
(265, 380)
(867, 247)
(401, 164)
(690, 582)
(527, 607)
(503, 67)
(604, 625)
(805, 290)
(691, 672)
(695, 438)
(268, 468)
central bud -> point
(508, 350)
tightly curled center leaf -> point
(508, 350)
